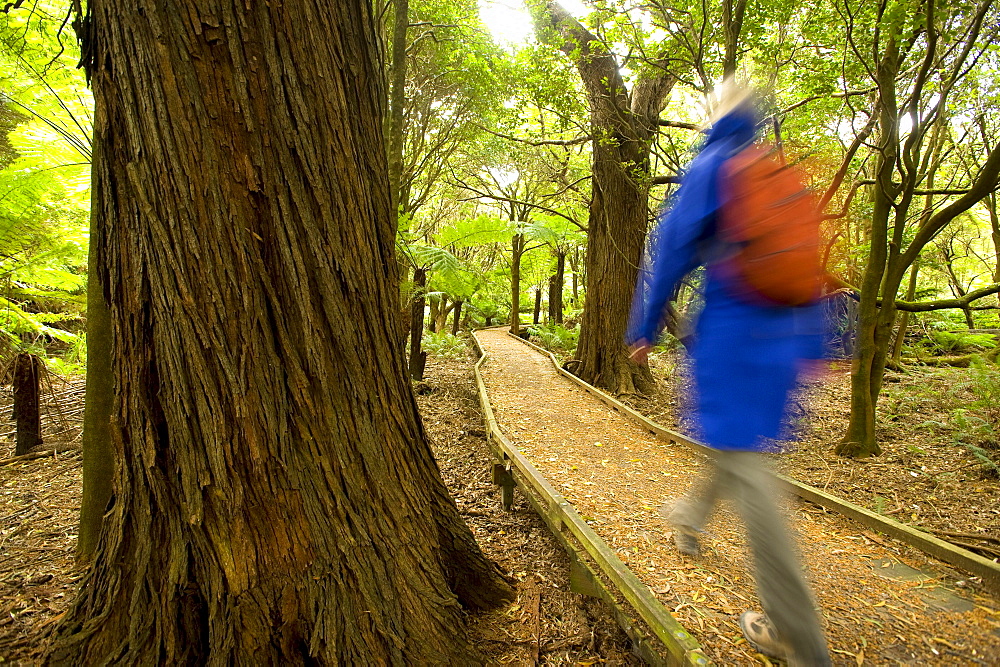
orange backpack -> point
(773, 220)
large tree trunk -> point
(27, 403)
(275, 498)
(623, 125)
(98, 454)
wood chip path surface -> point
(883, 603)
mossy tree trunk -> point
(275, 497)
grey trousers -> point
(746, 478)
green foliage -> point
(556, 338)
(956, 342)
(976, 424)
(443, 344)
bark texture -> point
(27, 408)
(623, 124)
(275, 499)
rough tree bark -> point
(27, 404)
(623, 124)
(275, 499)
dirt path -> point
(883, 603)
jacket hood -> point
(738, 126)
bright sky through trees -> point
(509, 21)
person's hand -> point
(639, 352)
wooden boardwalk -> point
(883, 602)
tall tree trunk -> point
(538, 306)
(276, 500)
(904, 317)
(875, 324)
(458, 317)
(418, 358)
(575, 268)
(517, 249)
(98, 461)
(556, 289)
(397, 99)
(623, 125)
(27, 403)
(991, 201)
(434, 307)
(732, 25)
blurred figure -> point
(747, 350)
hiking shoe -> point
(686, 541)
(685, 537)
(760, 633)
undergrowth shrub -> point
(443, 344)
(976, 423)
(556, 338)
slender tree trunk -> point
(991, 201)
(458, 317)
(397, 99)
(434, 308)
(98, 458)
(556, 289)
(875, 324)
(517, 249)
(538, 306)
(275, 497)
(418, 358)
(444, 309)
(904, 317)
(575, 268)
(27, 403)
(732, 23)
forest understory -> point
(924, 478)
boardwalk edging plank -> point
(561, 516)
(984, 568)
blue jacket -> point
(746, 356)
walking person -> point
(747, 351)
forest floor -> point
(547, 624)
(923, 478)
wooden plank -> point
(988, 570)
